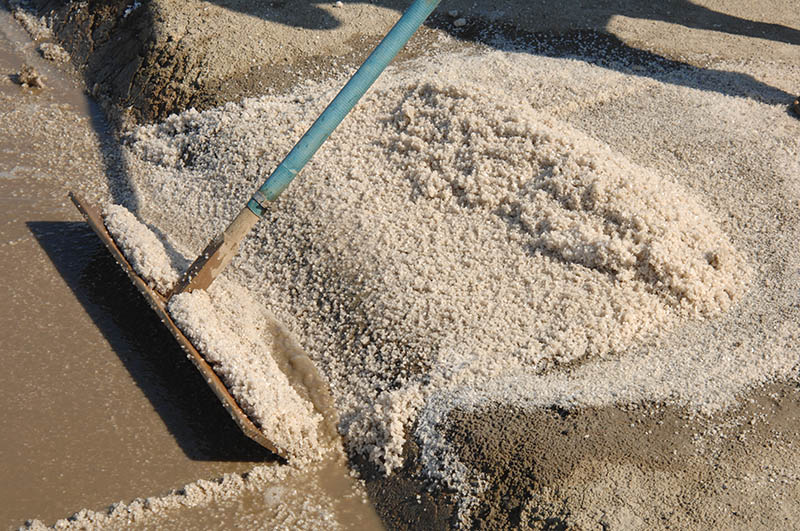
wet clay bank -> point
(546, 446)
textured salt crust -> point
(282, 507)
(37, 28)
(234, 334)
(451, 247)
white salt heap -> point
(452, 246)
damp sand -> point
(458, 242)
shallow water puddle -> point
(102, 405)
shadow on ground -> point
(570, 28)
(573, 14)
(177, 392)
(132, 65)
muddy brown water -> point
(101, 405)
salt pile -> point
(236, 337)
(452, 246)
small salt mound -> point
(234, 335)
(142, 248)
(54, 52)
(563, 195)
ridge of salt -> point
(233, 333)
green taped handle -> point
(342, 104)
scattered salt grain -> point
(285, 498)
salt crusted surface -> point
(270, 492)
